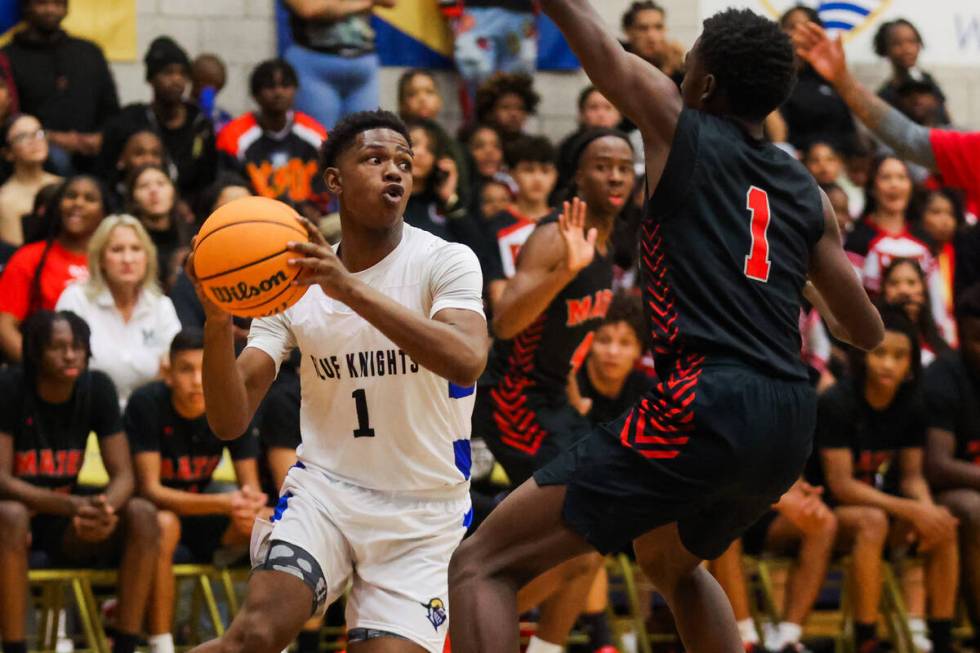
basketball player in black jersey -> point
(732, 230)
(557, 297)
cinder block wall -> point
(243, 33)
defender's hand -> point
(319, 264)
(826, 55)
(579, 246)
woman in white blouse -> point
(132, 322)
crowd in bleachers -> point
(101, 330)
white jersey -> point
(369, 414)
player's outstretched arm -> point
(840, 288)
(453, 343)
(548, 262)
(638, 89)
(233, 388)
(826, 55)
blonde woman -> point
(132, 322)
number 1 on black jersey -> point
(757, 263)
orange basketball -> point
(241, 259)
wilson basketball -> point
(241, 259)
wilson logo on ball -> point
(243, 291)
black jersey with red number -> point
(726, 246)
(537, 359)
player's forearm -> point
(225, 394)
(440, 348)
(948, 473)
(121, 487)
(518, 308)
(37, 499)
(858, 493)
(603, 57)
(188, 503)
(916, 488)
(909, 140)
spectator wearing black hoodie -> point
(187, 134)
(65, 82)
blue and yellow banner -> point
(415, 34)
(110, 23)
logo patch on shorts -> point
(436, 612)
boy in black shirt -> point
(49, 408)
(608, 382)
(870, 430)
(175, 455)
(952, 390)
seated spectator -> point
(823, 162)
(841, 204)
(607, 382)
(152, 198)
(801, 525)
(35, 225)
(594, 111)
(496, 195)
(418, 95)
(644, 24)
(187, 134)
(903, 284)
(26, 147)
(531, 160)
(419, 99)
(65, 82)
(37, 273)
(505, 101)
(870, 434)
(814, 111)
(491, 36)
(483, 154)
(132, 322)
(901, 43)
(333, 51)
(276, 148)
(952, 392)
(208, 76)
(175, 455)
(923, 103)
(435, 204)
(143, 148)
(50, 406)
(942, 225)
(883, 234)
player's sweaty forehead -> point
(383, 139)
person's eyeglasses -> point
(37, 135)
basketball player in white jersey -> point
(393, 338)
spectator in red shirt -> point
(38, 272)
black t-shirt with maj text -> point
(189, 451)
(846, 420)
(49, 439)
(952, 392)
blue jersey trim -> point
(281, 507)
(462, 457)
(468, 518)
(458, 391)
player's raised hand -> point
(826, 55)
(579, 246)
(320, 264)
